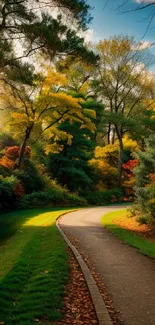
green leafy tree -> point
(40, 109)
(124, 85)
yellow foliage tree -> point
(105, 161)
(124, 84)
(43, 107)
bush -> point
(10, 191)
(52, 197)
(105, 197)
(30, 177)
(6, 141)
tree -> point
(39, 109)
(144, 173)
(105, 162)
(124, 84)
(69, 166)
(30, 25)
(80, 75)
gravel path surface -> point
(129, 277)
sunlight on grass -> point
(11, 250)
(146, 247)
(43, 219)
(33, 270)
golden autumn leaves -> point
(34, 110)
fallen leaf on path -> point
(79, 308)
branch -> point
(56, 121)
(133, 105)
(29, 52)
(18, 91)
(83, 82)
(44, 110)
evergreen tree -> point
(70, 166)
(145, 183)
(27, 27)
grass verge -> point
(33, 268)
(144, 246)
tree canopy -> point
(28, 28)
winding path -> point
(129, 277)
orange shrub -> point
(12, 152)
(7, 163)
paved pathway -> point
(129, 277)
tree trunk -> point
(23, 146)
(113, 136)
(120, 162)
(109, 132)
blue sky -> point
(110, 21)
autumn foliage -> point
(19, 190)
(129, 179)
(11, 154)
(130, 165)
(7, 163)
(152, 178)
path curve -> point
(128, 276)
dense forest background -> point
(77, 119)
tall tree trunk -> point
(113, 136)
(109, 132)
(23, 146)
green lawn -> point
(144, 246)
(33, 268)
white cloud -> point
(144, 45)
(90, 36)
(145, 1)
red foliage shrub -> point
(129, 179)
(13, 152)
(130, 165)
(19, 190)
(152, 178)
